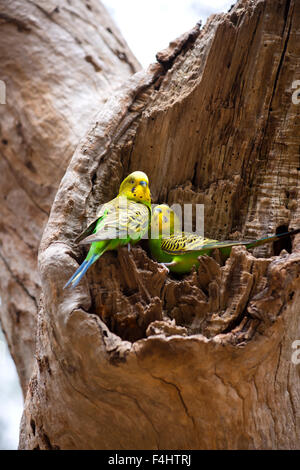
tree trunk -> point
(134, 358)
(59, 61)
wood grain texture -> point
(59, 61)
(143, 360)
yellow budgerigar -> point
(125, 219)
(179, 251)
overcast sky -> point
(11, 401)
(148, 26)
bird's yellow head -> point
(164, 221)
(136, 188)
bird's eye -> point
(132, 181)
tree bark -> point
(59, 61)
(134, 358)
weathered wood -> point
(143, 360)
(59, 61)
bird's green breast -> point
(157, 253)
(184, 263)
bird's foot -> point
(163, 264)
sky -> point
(148, 26)
(11, 399)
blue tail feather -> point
(79, 273)
(75, 274)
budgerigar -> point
(123, 220)
(164, 222)
(180, 251)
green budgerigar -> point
(179, 251)
(125, 219)
(164, 223)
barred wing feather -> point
(179, 244)
(185, 242)
(122, 223)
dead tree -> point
(134, 358)
(59, 61)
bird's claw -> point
(162, 264)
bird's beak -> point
(143, 183)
